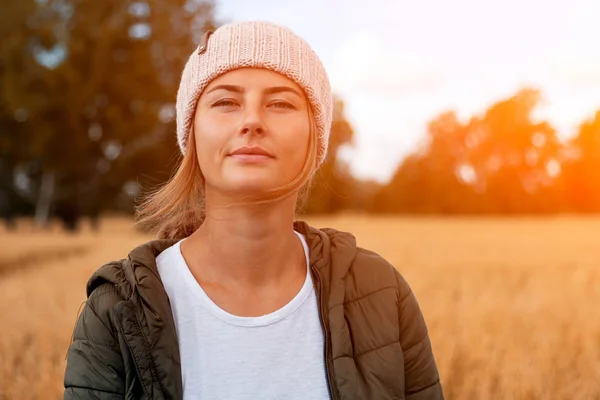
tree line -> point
(503, 161)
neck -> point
(247, 247)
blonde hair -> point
(177, 209)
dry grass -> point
(512, 305)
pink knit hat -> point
(255, 44)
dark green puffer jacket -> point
(376, 341)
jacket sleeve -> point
(95, 368)
(422, 381)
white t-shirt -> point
(223, 356)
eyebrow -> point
(271, 90)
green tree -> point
(97, 81)
(500, 162)
(581, 180)
(427, 181)
(515, 157)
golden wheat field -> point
(512, 305)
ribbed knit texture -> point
(261, 45)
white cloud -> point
(579, 71)
(367, 64)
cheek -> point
(210, 142)
(295, 140)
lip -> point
(251, 158)
(250, 153)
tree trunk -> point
(42, 209)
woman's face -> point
(251, 131)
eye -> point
(283, 104)
(224, 102)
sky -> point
(399, 64)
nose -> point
(252, 130)
(252, 123)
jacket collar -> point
(331, 251)
(321, 243)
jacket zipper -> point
(326, 332)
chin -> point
(249, 184)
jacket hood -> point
(122, 273)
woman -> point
(236, 300)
